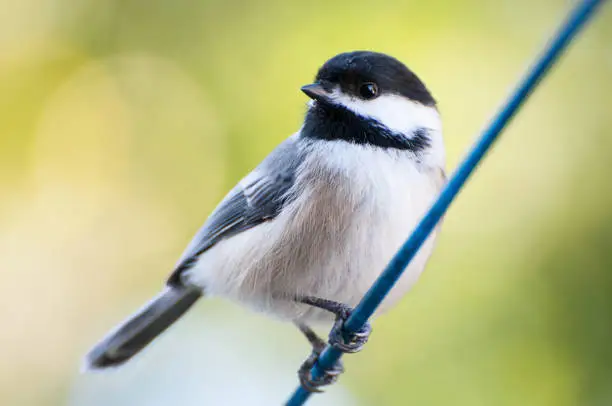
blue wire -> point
(576, 20)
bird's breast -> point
(355, 207)
(352, 207)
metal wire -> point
(575, 21)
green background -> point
(122, 124)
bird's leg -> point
(307, 381)
(354, 342)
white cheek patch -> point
(397, 113)
(403, 116)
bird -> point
(305, 234)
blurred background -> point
(123, 123)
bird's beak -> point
(316, 91)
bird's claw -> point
(355, 341)
(311, 384)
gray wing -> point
(257, 198)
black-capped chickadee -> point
(306, 233)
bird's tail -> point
(134, 334)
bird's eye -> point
(368, 90)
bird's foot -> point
(312, 384)
(348, 342)
(354, 341)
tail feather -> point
(135, 333)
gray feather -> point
(135, 333)
(259, 197)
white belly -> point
(353, 213)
